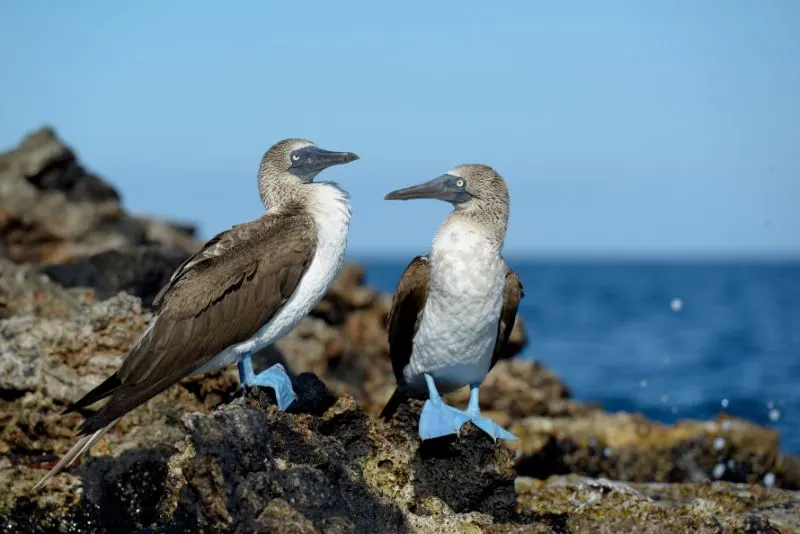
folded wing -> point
(219, 297)
(512, 294)
(408, 304)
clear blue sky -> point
(631, 127)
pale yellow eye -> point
(460, 183)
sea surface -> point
(669, 340)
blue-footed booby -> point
(454, 309)
(245, 289)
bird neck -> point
(279, 189)
(484, 227)
(328, 202)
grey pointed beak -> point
(319, 159)
(313, 160)
(447, 187)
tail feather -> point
(393, 404)
(82, 445)
(107, 388)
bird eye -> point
(295, 157)
(460, 183)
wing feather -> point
(512, 294)
(219, 297)
(408, 304)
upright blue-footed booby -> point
(245, 289)
(454, 309)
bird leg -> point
(275, 377)
(437, 418)
(484, 423)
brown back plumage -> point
(219, 297)
(408, 305)
(512, 294)
(404, 319)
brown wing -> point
(220, 296)
(407, 305)
(512, 294)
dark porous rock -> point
(629, 447)
(140, 270)
(253, 467)
(577, 504)
(247, 467)
(119, 494)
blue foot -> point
(438, 419)
(493, 429)
(485, 424)
(275, 377)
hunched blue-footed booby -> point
(245, 289)
(454, 309)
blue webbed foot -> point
(438, 419)
(275, 377)
(487, 425)
(493, 429)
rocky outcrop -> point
(203, 457)
(54, 212)
(329, 467)
(206, 457)
(140, 270)
(629, 447)
(577, 504)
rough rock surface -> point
(53, 211)
(205, 457)
(247, 467)
(577, 504)
(629, 447)
(140, 270)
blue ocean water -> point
(669, 340)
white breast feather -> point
(331, 211)
(457, 334)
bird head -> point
(301, 159)
(468, 187)
(291, 164)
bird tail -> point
(397, 398)
(106, 389)
(83, 445)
